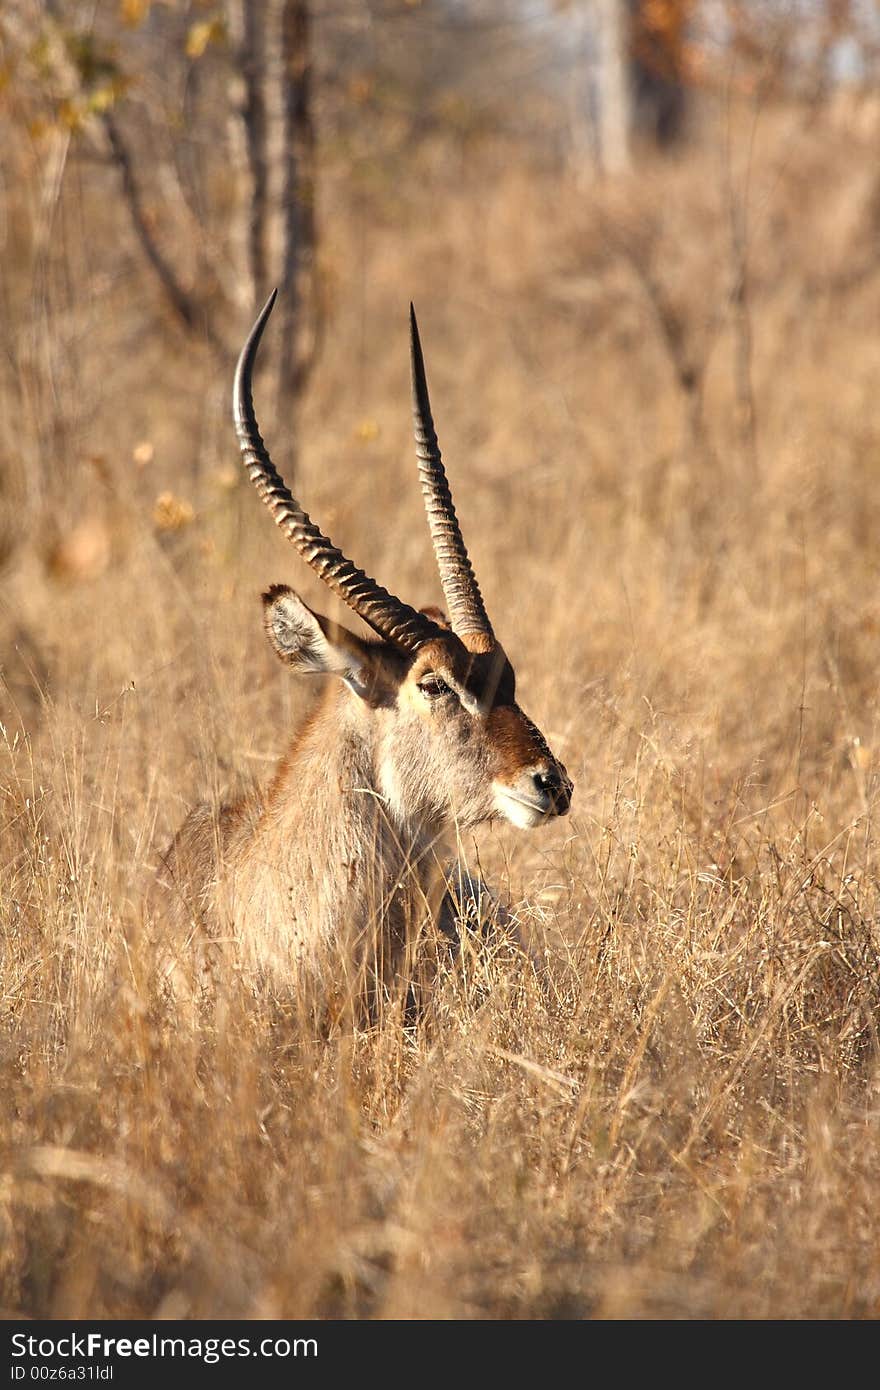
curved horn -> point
(386, 615)
(462, 592)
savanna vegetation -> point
(658, 395)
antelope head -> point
(452, 745)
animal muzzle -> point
(552, 787)
(536, 794)
(530, 784)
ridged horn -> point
(385, 614)
(462, 592)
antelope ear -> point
(437, 616)
(307, 642)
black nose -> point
(555, 785)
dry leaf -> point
(172, 513)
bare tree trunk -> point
(640, 60)
(297, 198)
(582, 93)
(273, 67)
(248, 23)
(614, 103)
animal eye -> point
(433, 687)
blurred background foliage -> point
(167, 161)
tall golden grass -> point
(673, 1109)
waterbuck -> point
(333, 872)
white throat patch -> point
(520, 812)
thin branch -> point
(193, 315)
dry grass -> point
(677, 1112)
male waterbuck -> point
(336, 869)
